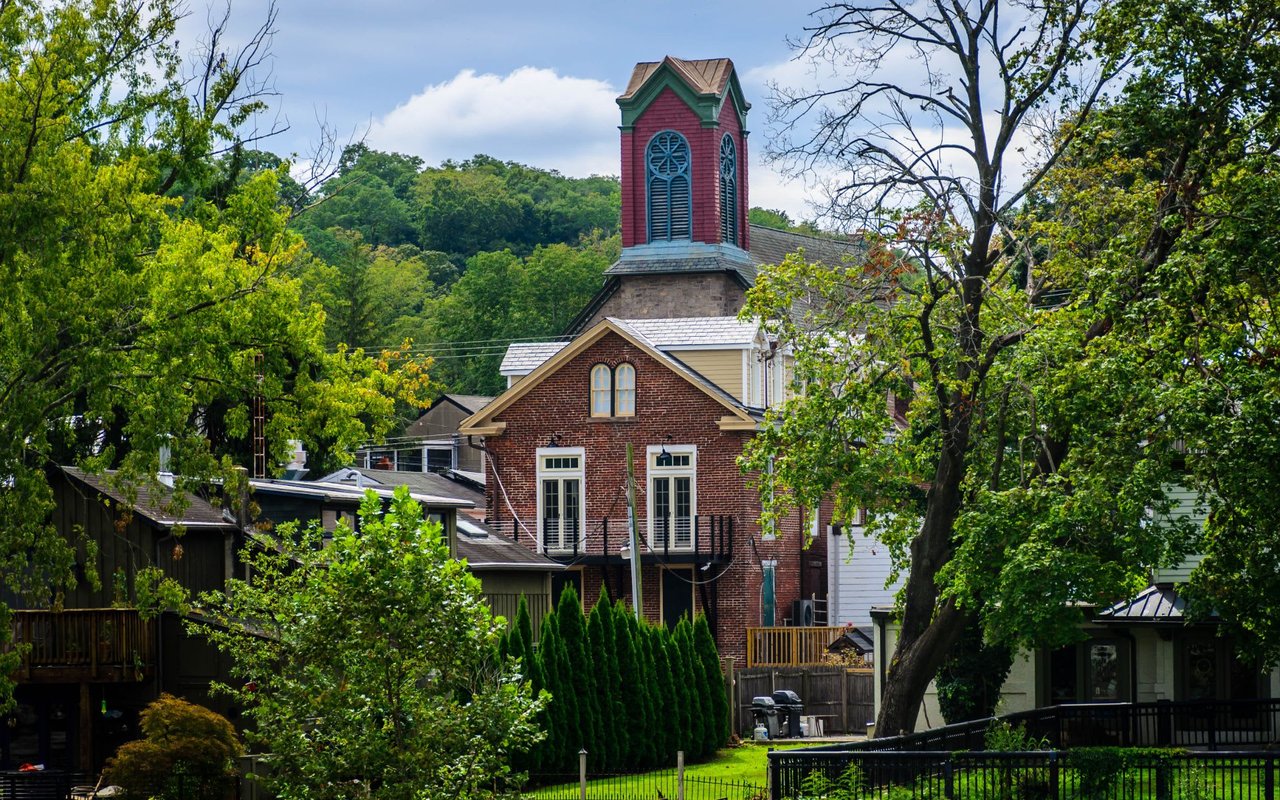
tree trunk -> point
(928, 629)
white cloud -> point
(532, 115)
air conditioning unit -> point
(802, 613)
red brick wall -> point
(665, 404)
(669, 112)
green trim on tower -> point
(706, 106)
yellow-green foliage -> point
(187, 751)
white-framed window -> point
(601, 391)
(562, 503)
(672, 496)
(613, 390)
(624, 390)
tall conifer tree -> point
(714, 683)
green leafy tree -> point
(969, 680)
(368, 661)
(1033, 324)
(185, 751)
(136, 317)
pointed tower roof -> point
(704, 84)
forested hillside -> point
(460, 259)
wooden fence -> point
(841, 696)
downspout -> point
(495, 508)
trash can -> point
(789, 710)
(764, 713)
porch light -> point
(664, 458)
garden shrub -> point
(187, 751)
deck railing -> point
(700, 538)
(113, 644)
(789, 647)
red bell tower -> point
(684, 154)
(684, 196)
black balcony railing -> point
(697, 539)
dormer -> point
(684, 157)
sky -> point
(533, 82)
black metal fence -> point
(1208, 724)
(1101, 773)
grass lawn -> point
(747, 762)
(745, 765)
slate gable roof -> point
(692, 375)
(524, 357)
(694, 332)
(470, 402)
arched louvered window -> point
(728, 190)
(667, 175)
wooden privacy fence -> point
(789, 647)
(841, 696)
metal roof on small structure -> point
(156, 503)
(337, 492)
(424, 483)
(486, 550)
(1153, 604)
(524, 357)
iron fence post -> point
(1269, 782)
(948, 772)
(1053, 774)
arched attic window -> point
(728, 190)
(667, 178)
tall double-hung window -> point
(667, 179)
(561, 501)
(672, 497)
(728, 190)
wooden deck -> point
(789, 647)
(96, 645)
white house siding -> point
(856, 578)
(1187, 504)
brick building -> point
(661, 363)
(557, 444)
